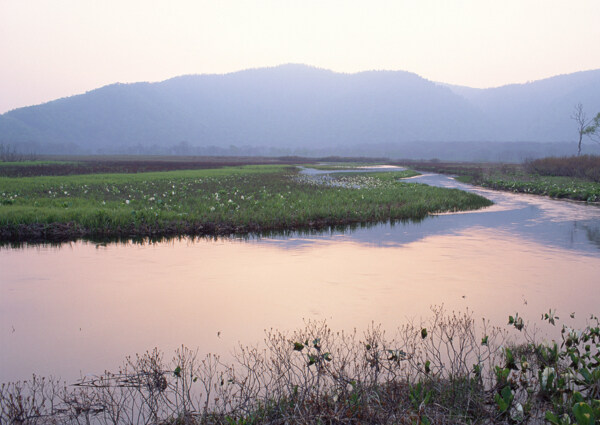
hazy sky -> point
(56, 48)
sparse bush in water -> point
(446, 370)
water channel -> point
(80, 308)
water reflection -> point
(563, 224)
(84, 306)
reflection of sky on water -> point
(383, 168)
(561, 224)
(85, 306)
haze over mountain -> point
(297, 108)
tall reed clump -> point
(446, 370)
(584, 167)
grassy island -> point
(217, 201)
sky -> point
(56, 48)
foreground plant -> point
(562, 380)
(445, 370)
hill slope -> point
(292, 106)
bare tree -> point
(8, 153)
(585, 127)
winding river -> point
(80, 308)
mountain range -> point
(301, 107)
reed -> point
(448, 369)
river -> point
(80, 308)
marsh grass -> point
(222, 201)
(585, 167)
(311, 375)
(448, 369)
(573, 178)
(75, 165)
(553, 186)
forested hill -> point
(293, 106)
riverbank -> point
(576, 178)
(211, 202)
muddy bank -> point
(70, 232)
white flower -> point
(516, 412)
(127, 201)
(546, 374)
(570, 381)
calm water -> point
(81, 308)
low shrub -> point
(445, 370)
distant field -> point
(212, 201)
(96, 164)
(124, 164)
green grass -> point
(531, 177)
(556, 187)
(215, 201)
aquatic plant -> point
(556, 187)
(445, 370)
(571, 178)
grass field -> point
(96, 164)
(217, 201)
(66, 166)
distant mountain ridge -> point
(297, 106)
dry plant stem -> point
(441, 370)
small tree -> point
(585, 127)
(593, 130)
